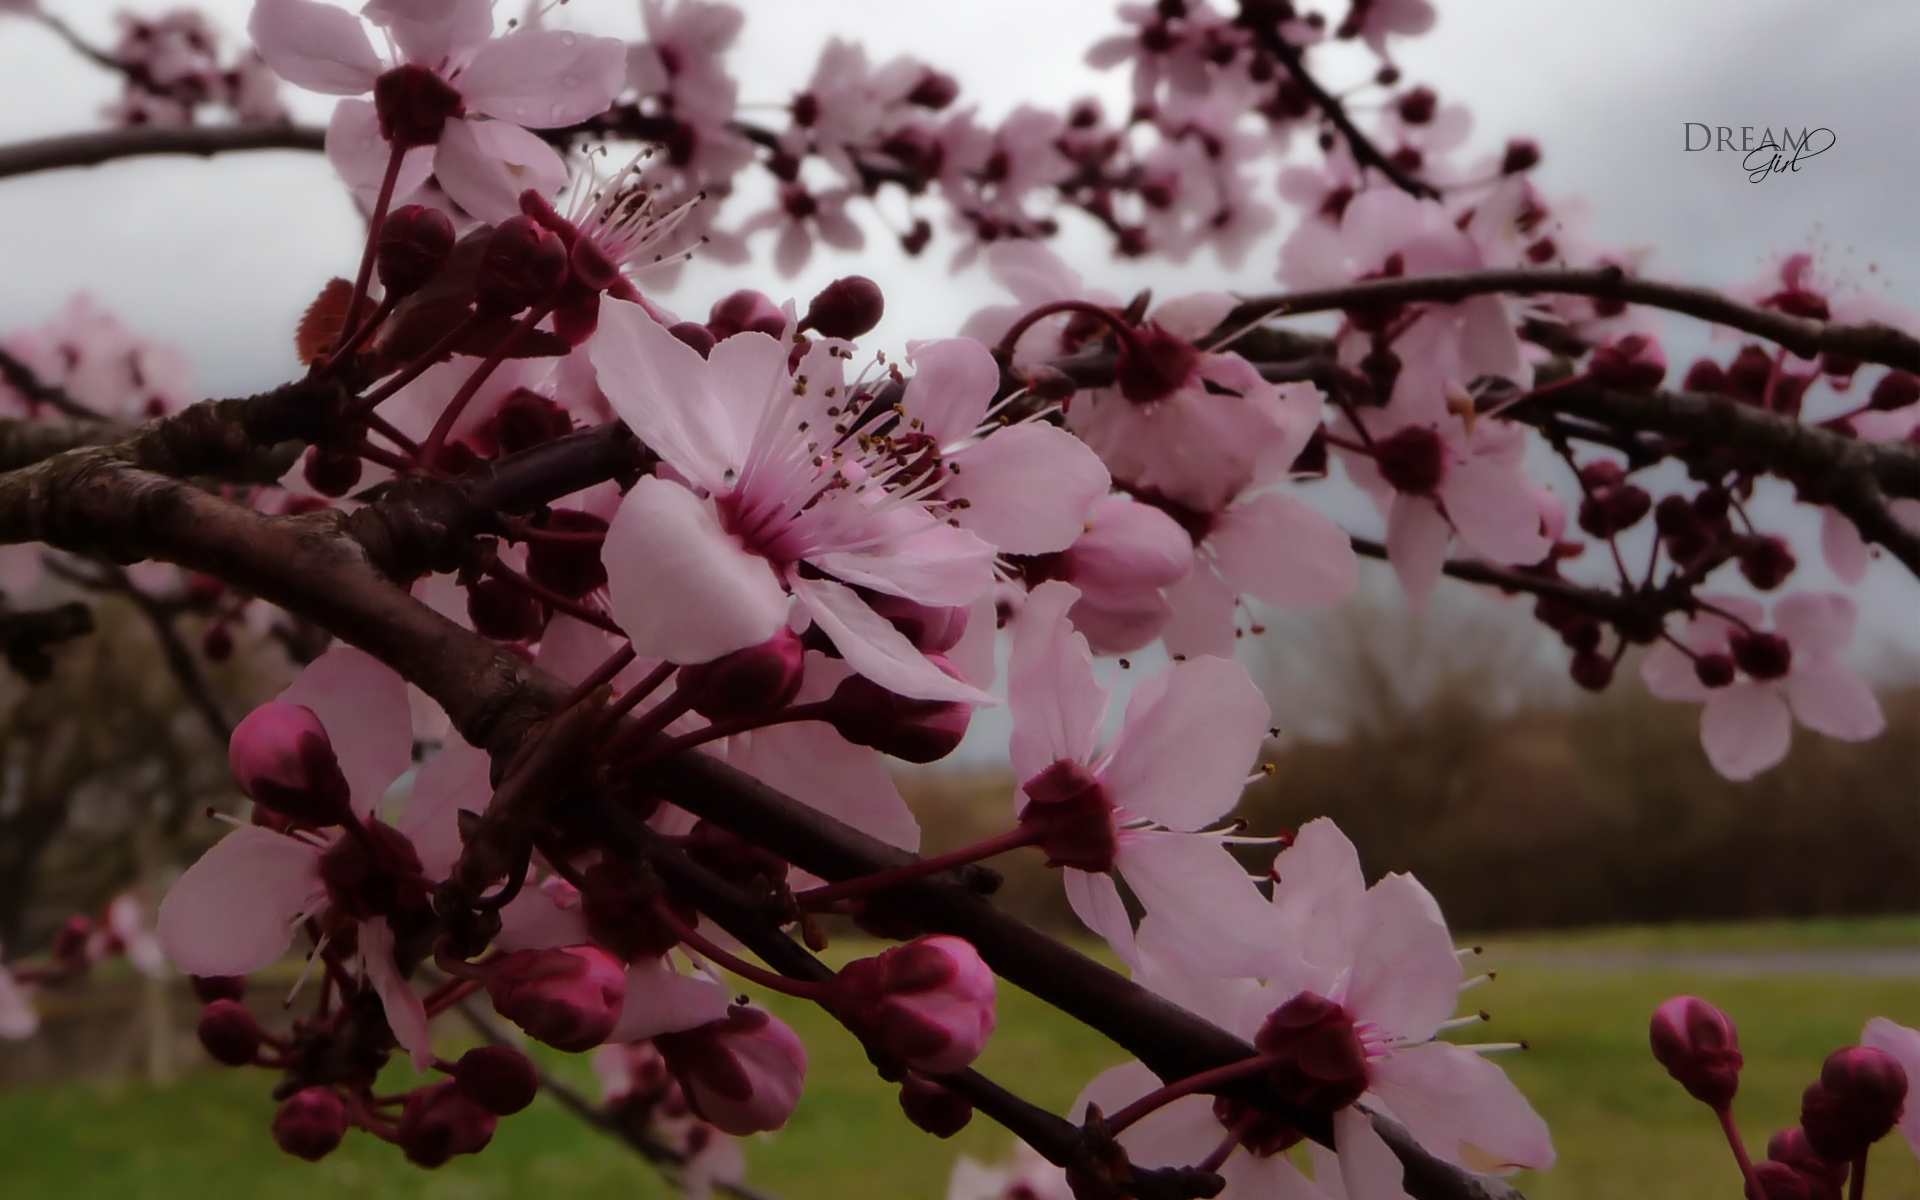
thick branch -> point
(109, 145)
(1803, 336)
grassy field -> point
(1623, 1129)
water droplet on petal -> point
(570, 80)
(555, 110)
(567, 39)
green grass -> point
(1623, 1129)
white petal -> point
(816, 766)
(1368, 1169)
(456, 779)
(363, 704)
(533, 920)
(953, 383)
(315, 46)
(1096, 901)
(485, 165)
(1202, 621)
(1493, 508)
(1416, 545)
(233, 911)
(1056, 703)
(874, 648)
(1463, 1108)
(1816, 623)
(1827, 697)
(681, 587)
(1189, 738)
(544, 78)
(1406, 977)
(662, 389)
(1846, 552)
(661, 1000)
(1211, 907)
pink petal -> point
(1321, 900)
(1028, 489)
(1179, 1134)
(456, 779)
(1193, 317)
(1128, 546)
(1368, 1169)
(485, 165)
(1056, 703)
(819, 768)
(1670, 675)
(438, 34)
(1846, 553)
(1904, 1045)
(544, 78)
(315, 46)
(1190, 736)
(1202, 621)
(1096, 901)
(233, 912)
(1275, 1178)
(1121, 622)
(1194, 884)
(571, 649)
(1406, 977)
(534, 920)
(1488, 343)
(953, 382)
(1417, 538)
(1816, 622)
(1828, 697)
(973, 654)
(938, 565)
(18, 1019)
(1463, 1108)
(681, 587)
(1746, 729)
(661, 1000)
(1032, 272)
(874, 648)
(363, 704)
(1492, 507)
(406, 1012)
(1278, 550)
(661, 388)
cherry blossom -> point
(1903, 1044)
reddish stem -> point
(1121, 329)
(552, 599)
(430, 450)
(1857, 1186)
(1012, 839)
(816, 992)
(395, 154)
(1725, 1113)
(1163, 1096)
(631, 698)
(348, 348)
(388, 430)
(646, 725)
(648, 755)
(456, 991)
(384, 458)
(418, 366)
(602, 675)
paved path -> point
(1864, 963)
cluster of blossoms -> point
(81, 944)
(754, 542)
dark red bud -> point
(1673, 516)
(747, 683)
(746, 311)
(330, 472)
(1705, 376)
(414, 104)
(1778, 1181)
(440, 1122)
(1748, 373)
(1714, 670)
(917, 731)
(1767, 562)
(1699, 1047)
(1411, 460)
(1522, 155)
(931, 630)
(503, 612)
(499, 1079)
(696, 335)
(527, 419)
(1761, 655)
(935, 90)
(932, 1107)
(1896, 390)
(1634, 363)
(1861, 1094)
(310, 1123)
(230, 1033)
(846, 308)
(1591, 670)
(415, 243)
(522, 264)
(571, 567)
(1417, 106)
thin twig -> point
(203, 141)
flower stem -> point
(648, 755)
(1121, 329)
(1166, 1095)
(395, 154)
(418, 366)
(430, 450)
(1012, 839)
(1725, 1113)
(803, 989)
(1857, 1186)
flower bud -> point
(1778, 1181)
(1634, 363)
(230, 1033)
(415, 243)
(935, 90)
(931, 630)
(499, 1079)
(1861, 1093)
(413, 105)
(310, 1123)
(1714, 670)
(928, 1003)
(527, 419)
(1153, 364)
(1896, 390)
(69, 947)
(1411, 460)
(1761, 655)
(1591, 669)
(932, 1107)
(1791, 1148)
(1767, 561)
(1323, 1065)
(1075, 817)
(742, 1074)
(440, 1122)
(696, 335)
(746, 311)
(1705, 375)
(1522, 154)
(746, 683)
(330, 472)
(916, 731)
(1748, 373)
(282, 759)
(846, 308)
(574, 567)
(503, 612)
(1699, 1047)
(521, 265)
(568, 998)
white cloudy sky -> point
(221, 256)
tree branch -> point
(109, 145)
(25, 380)
(1804, 336)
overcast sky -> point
(221, 257)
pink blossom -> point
(928, 1003)
(97, 360)
(705, 567)
(1027, 1176)
(1036, 276)
(1125, 562)
(1179, 762)
(570, 998)
(1769, 678)
(799, 215)
(744, 1074)
(533, 78)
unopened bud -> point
(521, 265)
(846, 308)
(928, 1003)
(1791, 1148)
(935, 90)
(415, 243)
(310, 1123)
(1778, 1181)
(746, 683)
(696, 335)
(208, 988)
(1714, 670)
(932, 1107)
(916, 731)
(1522, 155)
(746, 311)
(931, 630)
(230, 1033)
(1699, 1047)
(413, 105)
(742, 1074)
(1634, 363)
(499, 1079)
(570, 567)
(1761, 655)
(1591, 669)
(568, 998)
(1705, 375)
(1767, 561)
(1896, 390)
(440, 1122)
(283, 760)
(503, 612)
(527, 419)
(329, 471)
(1860, 1095)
